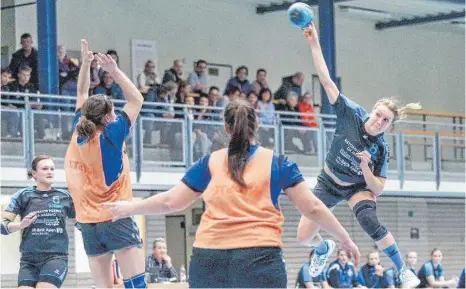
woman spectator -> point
(372, 274)
(341, 273)
(266, 116)
(240, 80)
(306, 107)
(148, 79)
(431, 273)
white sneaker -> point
(318, 261)
(408, 279)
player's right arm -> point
(321, 67)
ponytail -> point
(240, 118)
(410, 106)
(86, 128)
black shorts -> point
(102, 238)
(42, 267)
(331, 193)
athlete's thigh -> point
(53, 271)
(359, 196)
(101, 270)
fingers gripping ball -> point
(300, 15)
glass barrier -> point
(13, 130)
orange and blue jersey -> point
(237, 217)
(97, 170)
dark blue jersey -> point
(369, 279)
(48, 233)
(428, 269)
(341, 277)
(349, 139)
(304, 276)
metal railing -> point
(157, 143)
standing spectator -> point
(306, 107)
(109, 87)
(198, 78)
(240, 80)
(266, 116)
(260, 82)
(66, 68)
(114, 55)
(431, 273)
(291, 83)
(148, 79)
(372, 274)
(26, 56)
(341, 273)
(411, 261)
(159, 265)
(175, 73)
(304, 279)
(202, 143)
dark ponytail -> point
(94, 110)
(240, 118)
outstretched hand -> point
(349, 245)
(86, 55)
(310, 33)
(119, 210)
(107, 62)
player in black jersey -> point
(44, 239)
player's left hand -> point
(120, 210)
(365, 158)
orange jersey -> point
(97, 170)
(237, 217)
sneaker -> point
(318, 261)
(408, 279)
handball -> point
(300, 15)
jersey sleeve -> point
(361, 279)
(70, 212)
(290, 175)
(197, 178)
(428, 270)
(118, 130)
(344, 107)
(16, 205)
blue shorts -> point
(42, 267)
(261, 267)
(331, 193)
(104, 237)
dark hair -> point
(25, 67)
(94, 110)
(264, 90)
(261, 70)
(240, 118)
(348, 254)
(242, 67)
(6, 70)
(35, 162)
(201, 61)
(112, 51)
(25, 36)
(232, 89)
(213, 87)
(434, 250)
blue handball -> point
(300, 15)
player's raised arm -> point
(84, 78)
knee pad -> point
(366, 214)
(137, 281)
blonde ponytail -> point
(398, 113)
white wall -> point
(416, 63)
(8, 30)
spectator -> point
(431, 273)
(372, 274)
(202, 143)
(294, 120)
(148, 79)
(233, 93)
(8, 118)
(109, 87)
(341, 273)
(96, 73)
(66, 68)
(260, 82)
(240, 81)
(26, 56)
(306, 106)
(159, 265)
(253, 99)
(266, 116)
(292, 83)
(411, 260)
(215, 97)
(198, 78)
(304, 279)
(175, 73)
(23, 84)
(166, 95)
(114, 55)
(183, 92)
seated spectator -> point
(175, 73)
(260, 82)
(341, 273)
(114, 55)
(148, 79)
(22, 84)
(202, 143)
(159, 265)
(66, 68)
(26, 56)
(253, 99)
(292, 83)
(240, 81)
(266, 107)
(109, 87)
(166, 94)
(184, 91)
(306, 106)
(431, 273)
(304, 279)
(198, 78)
(215, 98)
(294, 120)
(8, 117)
(372, 274)
(411, 261)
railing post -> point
(281, 138)
(138, 148)
(188, 126)
(400, 158)
(436, 158)
(321, 145)
(30, 131)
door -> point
(176, 240)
